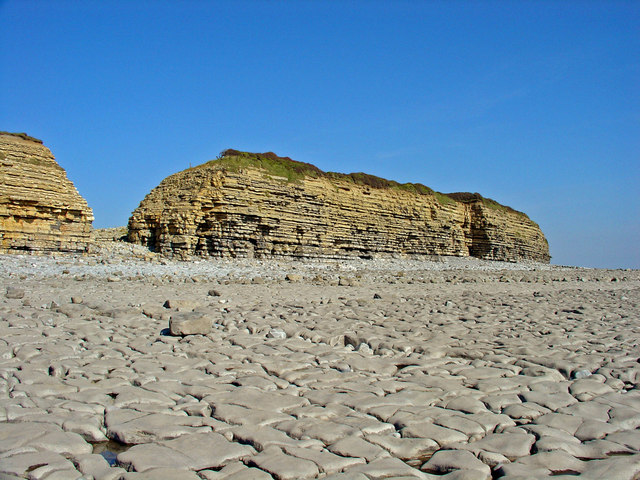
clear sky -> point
(535, 104)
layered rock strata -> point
(261, 205)
(40, 209)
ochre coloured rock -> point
(261, 205)
(40, 209)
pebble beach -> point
(447, 368)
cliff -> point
(40, 209)
(261, 205)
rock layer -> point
(261, 205)
(40, 209)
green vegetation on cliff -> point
(466, 197)
(234, 160)
(294, 171)
(23, 136)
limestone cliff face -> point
(40, 209)
(260, 205)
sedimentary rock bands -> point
(40, 209)
(262, 205)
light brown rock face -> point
(40, 209)
(260, 205)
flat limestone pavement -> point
(406, 369)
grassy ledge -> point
(466, 197)
(23, 136)
(294, 171)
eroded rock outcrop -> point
(261, 205)
(40, 209)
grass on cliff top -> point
(23, 136)
(234, 160)
(293, 171)
(466, 197)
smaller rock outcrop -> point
(40, 208)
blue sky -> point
(533, 103)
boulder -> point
(190, 323)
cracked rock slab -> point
(446, 461)
(511, 445)
(22, 463)
(155, 427)
(284, 467)
(358, 448)
(148, 456)
(209, 450)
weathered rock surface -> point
(261, 205)
(40, 209)
(460, 369)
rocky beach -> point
(331, 228)
(272, 320)
(121, 364)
